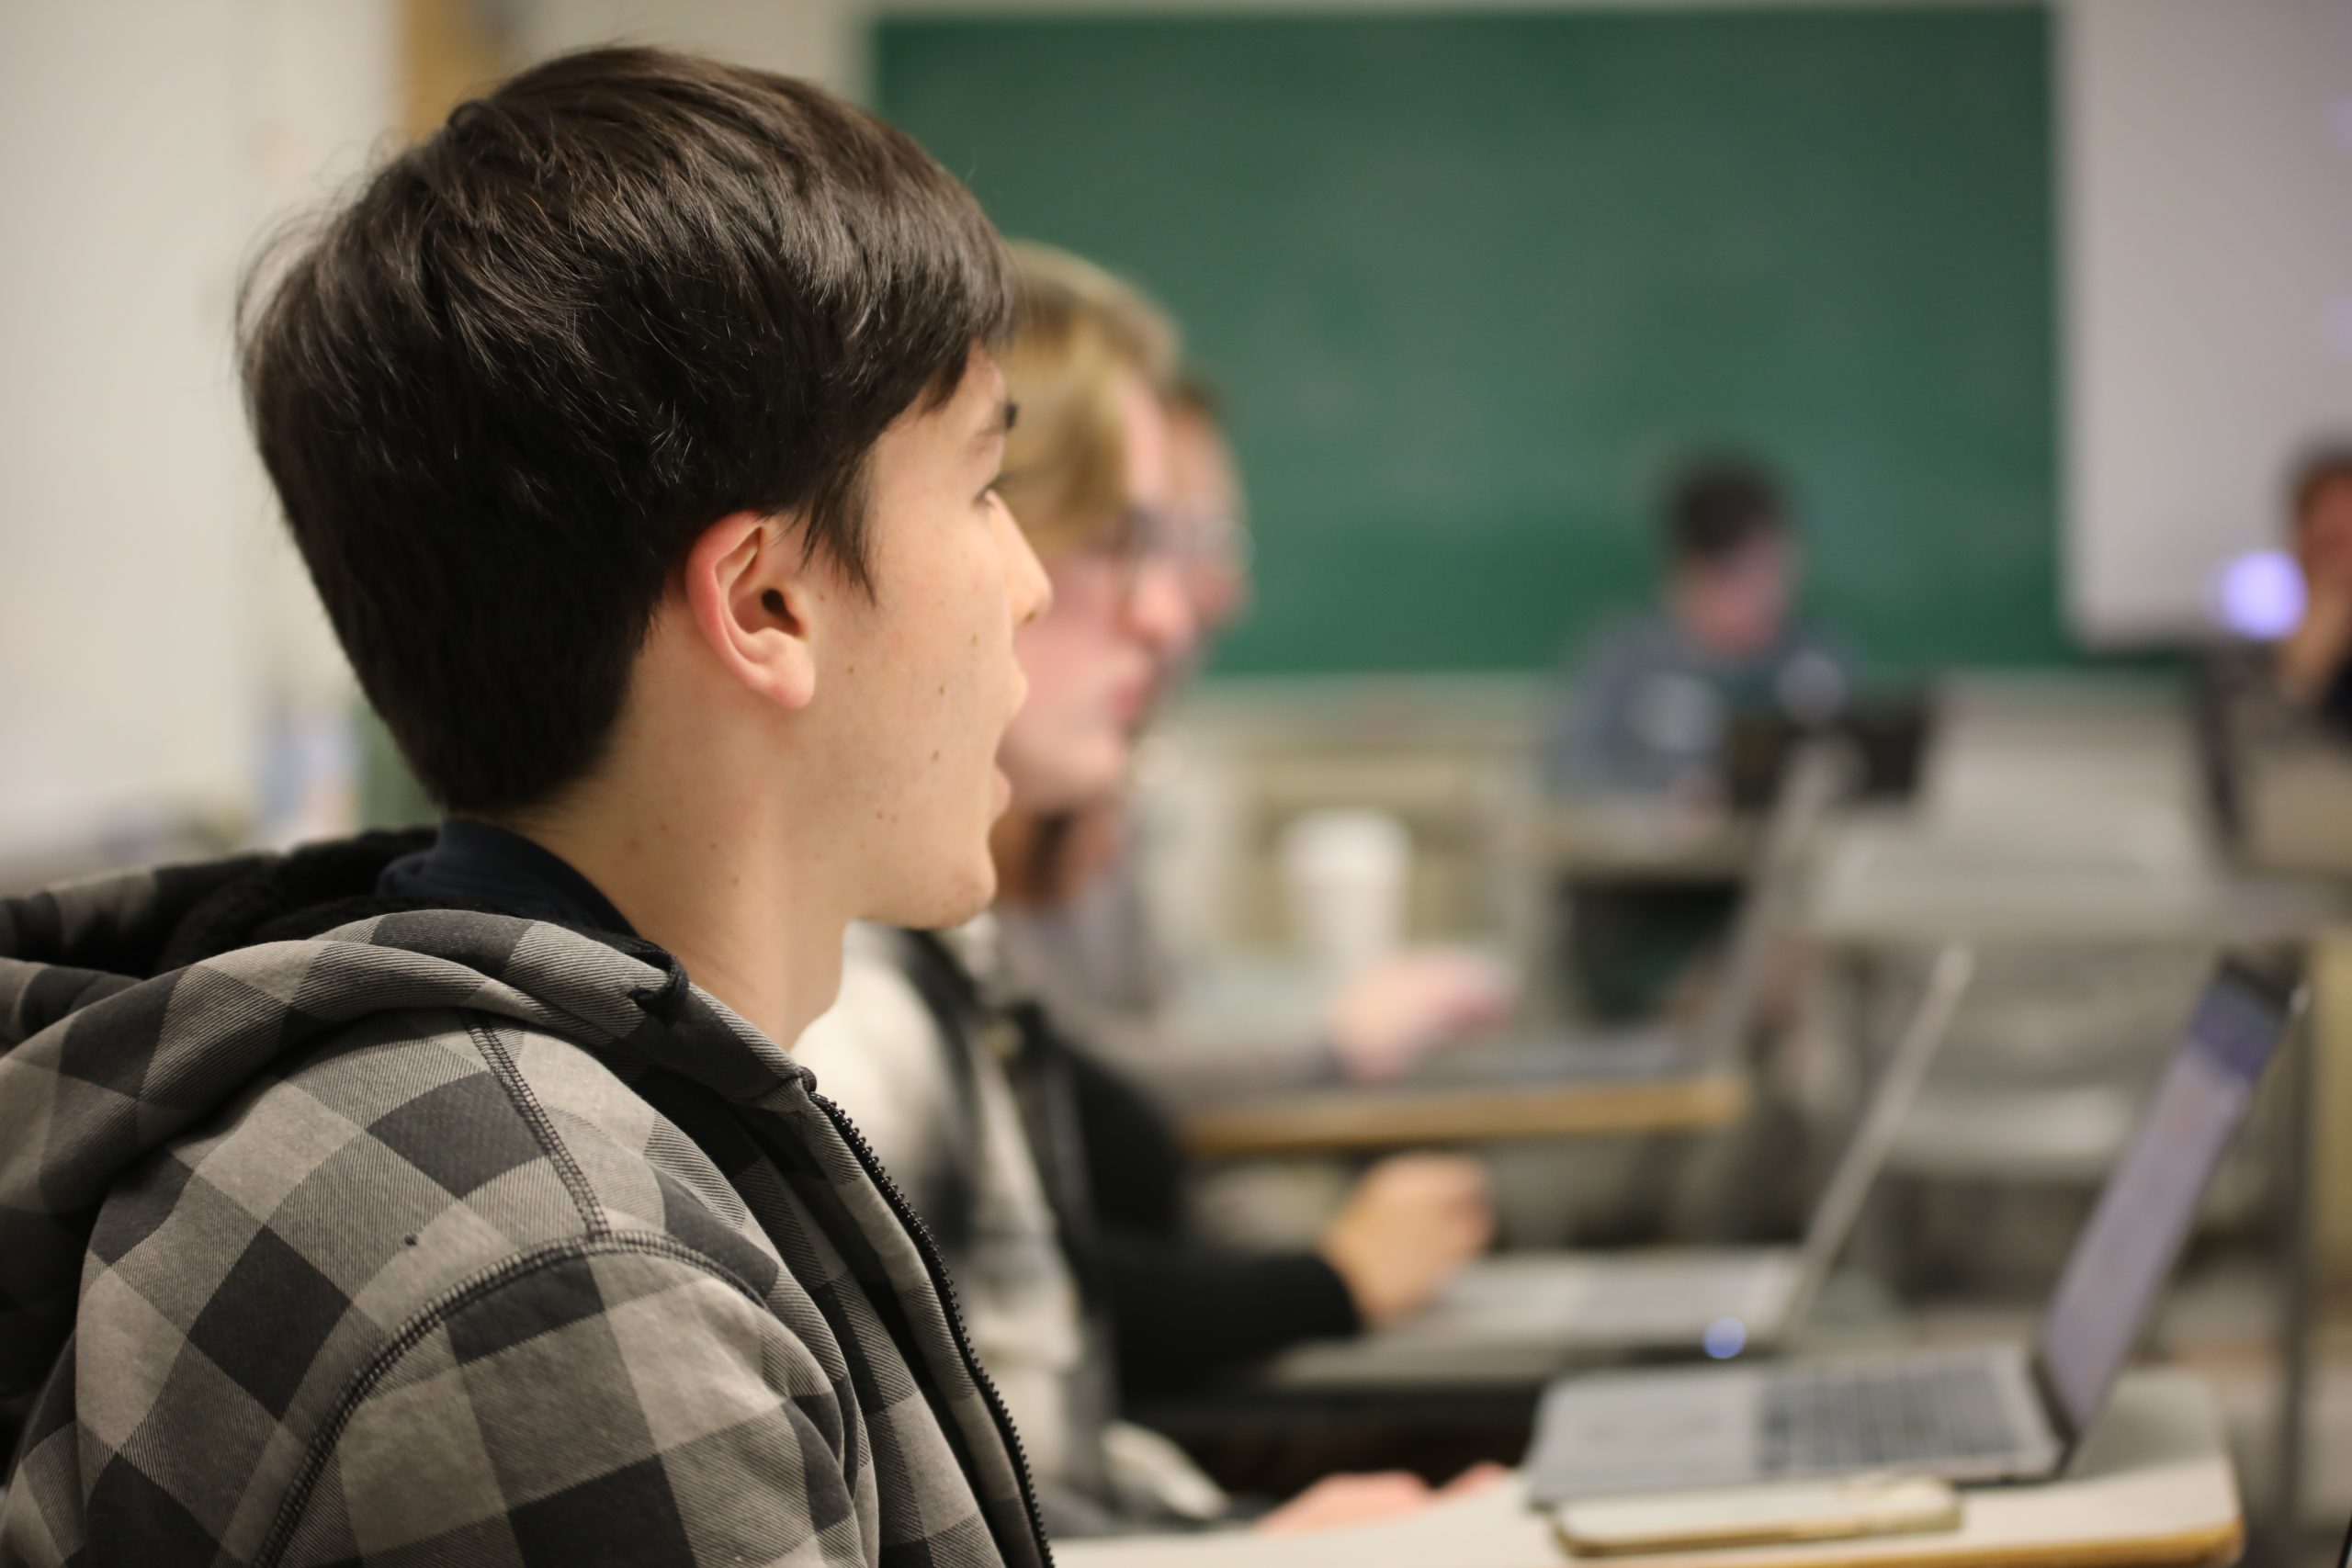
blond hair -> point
(1080, 332)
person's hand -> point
(1392, 1013)
(1409, 1226)
(1339, 1500)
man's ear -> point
(753, 597)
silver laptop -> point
(1990, 1414)
(1520, 1318)
(1818, 776)
(1713, 1300)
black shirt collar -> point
(478, 865)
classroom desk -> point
(1998, 905)
(1384, 1366)
(1358, 1121)
(1883, 893)
(1852, 1311)
(2074, 814)
(2153, 1488)
(2055, 810)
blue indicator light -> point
(1726, 1338)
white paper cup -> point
(1345, 873)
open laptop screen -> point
(2143, 1216)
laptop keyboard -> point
(1838, 1417)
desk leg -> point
(2285, 1513)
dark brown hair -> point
(621, 297)
(2318, 469)
(1715, 506)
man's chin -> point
(948, 906)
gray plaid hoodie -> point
(337, 1232)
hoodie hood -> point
(135, 1008)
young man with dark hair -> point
(1647, 709)
(456, 1201)
(1718, 508)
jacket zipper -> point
(928, 1250)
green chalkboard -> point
(1471, 281)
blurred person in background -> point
(1647, 706)
(1208, 518)
(1055, 1187)
(2314, 663)
(1088, 944)
(452, 1198)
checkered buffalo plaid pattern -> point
(449, 1237)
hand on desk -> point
(1409, 1226)
(1339, 1500)
(1394, 1012)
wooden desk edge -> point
(2217, 1547)
(1338, 1122)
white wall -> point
(122, 656)
(2208, 289)
(162, 655)
(151, 630)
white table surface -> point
(2154, 1486)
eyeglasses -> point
(1220, 542)
(1143, 536)
(1117, 558)
(1138, 534)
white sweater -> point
(880, 1054)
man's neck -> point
(724, 902)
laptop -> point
(1817, 779)
(1887, 735)
(1717, 1301)
(1987, 1414)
